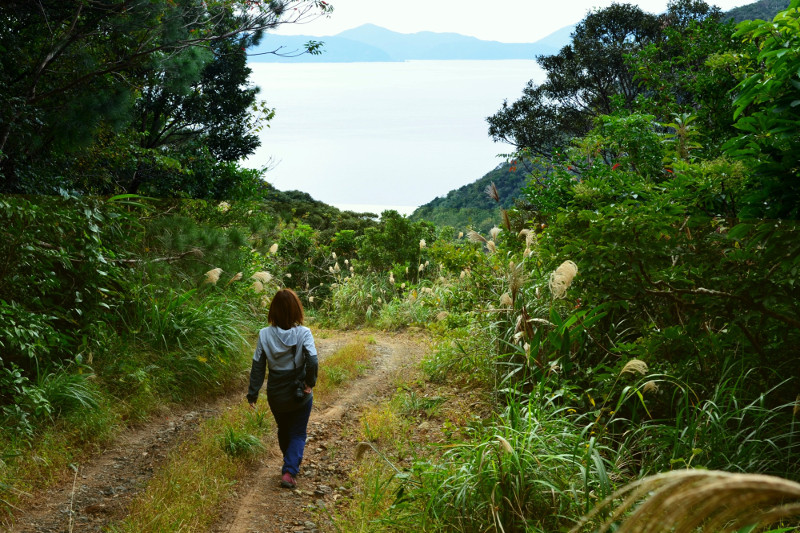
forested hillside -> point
(763, 10)
(630, 323)
(470, 207)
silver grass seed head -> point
(504, 445)
(262, 276)
(561, 279)
(236, 277)
(634, 366)
(505, 300)
(491, 192)
(257, 286)
(651, 387)
(212, 276)
(474, 236)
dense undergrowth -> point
(635, 314)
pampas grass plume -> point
(212, 276)
(561, 279)
(634, 366)
(684, 500)
(274, 248)
(504, 445)
(421, 244)
(491, 192)
(236, 277)
(516, 279)
(491, 246)
(494, 232)
(651, 387)
(257, 286)
(506, 219)
(505, 300)
(264, 277)
(474, 236)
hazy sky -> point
(508, 21)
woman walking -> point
(287, 348)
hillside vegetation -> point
(634, 312)
(761, 10)
(470, 207)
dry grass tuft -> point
(236, 277)
(561, 279)
(212, 276)
(530, 237)
(504, 444)
(685, 500)
(506, 301)
(492, 192)
(264, 277)
(516, 279)
(634, 366)
(651, 387)
(257, 287)
(362, 448)
(474, 236)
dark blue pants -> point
(292, 436)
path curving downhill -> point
(103, 488)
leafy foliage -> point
(767, 114)
(107, 99)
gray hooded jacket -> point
(282, 350)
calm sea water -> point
(370, 136)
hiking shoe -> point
(288, 481)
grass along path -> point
(172, 474)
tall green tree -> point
(767, 113)
(587, 78)
(71, 72)
(591, 76)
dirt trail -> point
(263, 507)
(104, 487)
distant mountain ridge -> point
(369, 42)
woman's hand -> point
(307, 390)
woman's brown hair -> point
(285, 311)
